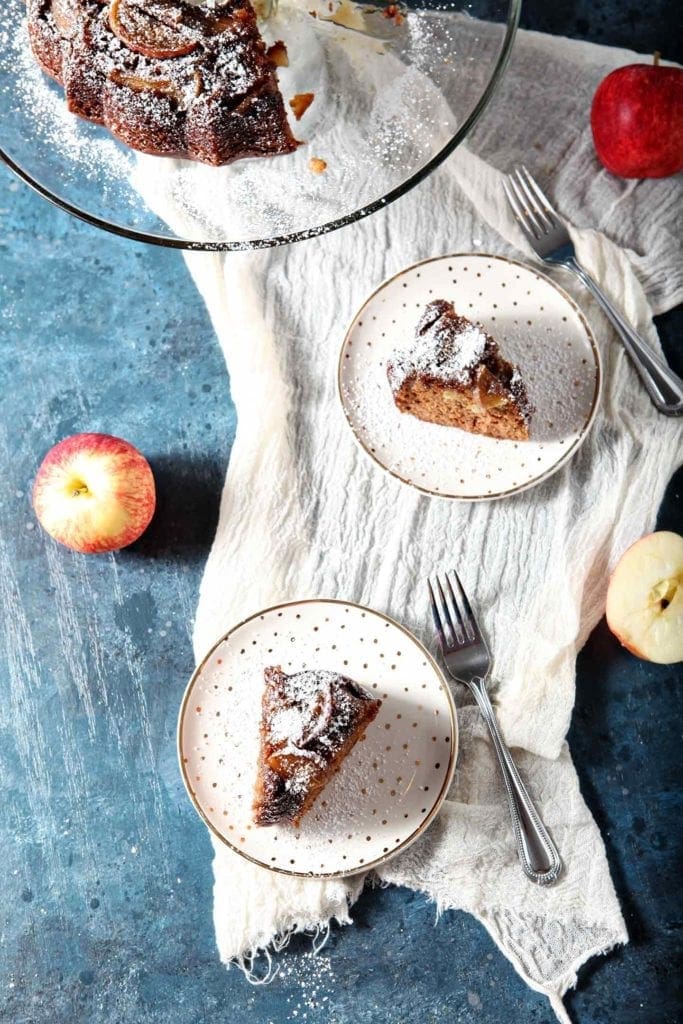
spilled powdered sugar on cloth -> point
(305, 514)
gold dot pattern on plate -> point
(536, 325)
(389, 785)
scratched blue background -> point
(105, 905)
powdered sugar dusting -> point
(83, 150)
(314, 705)
(285, 724)
(313, 980)
(442, 350)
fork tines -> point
(453, 617)
(530, 205)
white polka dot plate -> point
(390, 786)
(536, 324)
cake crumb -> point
(317, 165)
(347, 14)
(278, 54)
(393, 13)
(300, 103)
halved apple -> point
(645, 598)
(142, 33)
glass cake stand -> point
(393, 97)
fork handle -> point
(664, 387)
(537, 853)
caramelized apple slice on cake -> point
(138, 29)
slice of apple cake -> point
(454, 374)
(310, 721)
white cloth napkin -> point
(305, 514)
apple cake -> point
(309, 723)
(169, 77)
(454, 374)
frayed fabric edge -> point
(257, 964)
(555, 994)
(256, 960)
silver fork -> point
(549, 238)
(468, 661)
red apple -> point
(645, 598)
(94, 493)
(637, 121)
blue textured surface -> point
(106, 890)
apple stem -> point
(656, 57)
